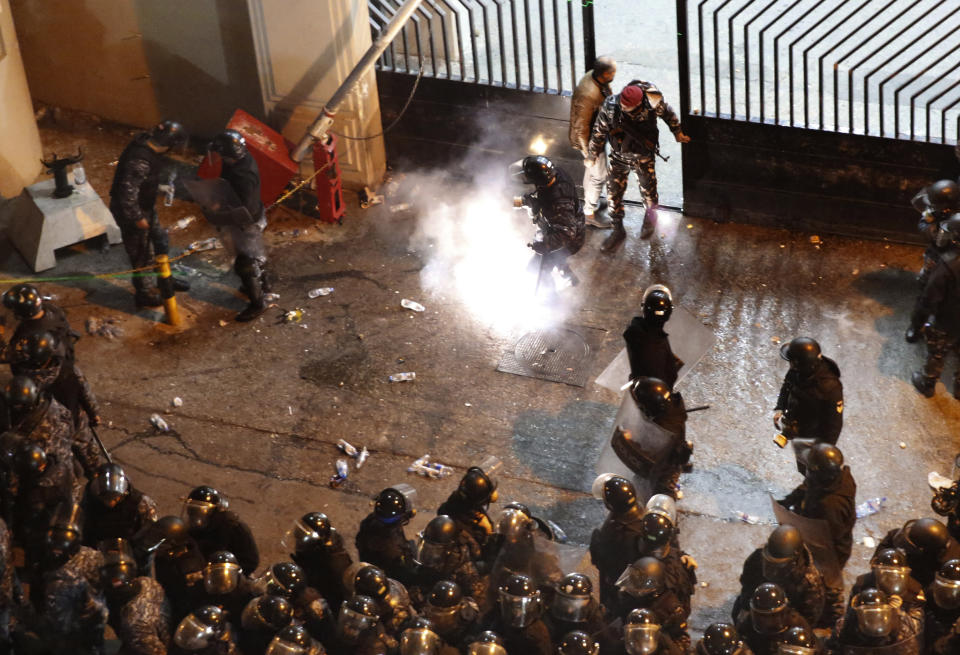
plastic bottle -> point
(157, 421)
(322, 291)
(403, 377)
(423, 466)
(342, 470)
(748, 518)
(872, 506)
(79, 174)
(347, 448)
(362, 457)
(410, 304)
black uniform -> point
(179, 568)
(947, 643)
(8, 583)
(243, 176)
(803, 586)
(649, 352)
(902, 641)
(558, 212)
(142, 622)
(672, 608)
(472, 519)
(913, 597)
(940, 299)
(232, 602)
(324, 568)
(130, 516)
(813, 404)
(531, 640)
(594, 625)
(768, 644)
(923, 568)
(613, 547)
(225, 531)
(385, 546)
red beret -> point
(631, 97)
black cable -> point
(395, 121)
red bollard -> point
(328, 184)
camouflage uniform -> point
(143, 622)
(7, 584)
(74, 611)
(633, 143)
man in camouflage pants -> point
(628, 122)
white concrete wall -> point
(20, 149)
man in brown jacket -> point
(590, 93)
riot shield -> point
(689, 339)
(816, 535)
(219, 202)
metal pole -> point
(165, 283)
(103, 448)
(683, 59)
(318, 129)
(589, 37)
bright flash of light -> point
(668, 222)
(539, 145)
(479, 253)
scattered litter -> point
(402, 207)
(322, 291)
(775, 339)
(177, 401)
(368, 198)
(289, 410)
(467, 405)
(342, 471)
(872, 506)
(213, 243)
(423, 466)
(815, 239)
(410, 304)
(903, 445)
(937, 481)
(184, 222)
(347, 448)
(362, 457)
(271, 297)
(224, 323)
(400, 360)
(402, 377)
(106, 327)
(292, 316)
(869, 542)
(157, 421)
(189, 271)
(748, 518)
(704, 584)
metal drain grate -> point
(554, 354)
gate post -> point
(683, 58)
(589, 36)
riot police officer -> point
(421, 638)
(769, 620)
(557, 212)
(215, 527)
(937, 311)
(262, 618)
(648, 345)
(443, 553)
(114, 508)
(874, 622)
(36, 316)
(452, 614)
(935, 203)
(519, 620)
(577, 642)
(205, 631)
(358, 629)
(644, 585)
(318, 549)
(139, 610)
(468, 504)
(309, 607)
(613, 544)
(722, 639)
(927, 544)
(942, 620)
(178, 563)
(486, 643)
(787, 561)
(133, 197)
(224, 585)
(810, 404)
(573, 608)
(241, 173)
(800, 641)
(523, 548)
(643, 635)
(294, 640)
(628, 122)
(890, 573)
(380, 538)
(393, 601)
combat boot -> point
(649, 223)
(598, 221)
(257, 305)
(926, 386)
(616, 237)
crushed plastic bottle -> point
(362, 457)
(423, 466)
(343, 469)
(403, 377)
(872, 506)
(322, 291)
(402, 207)
(213, 243)
(184, 222)
(410, 304)
(271, 297)
(347, 448)
(157, 421)
(748, 518)
(79, 175)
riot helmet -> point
(168, 134)
(659, 520)
(535, 169)
(294, 640)
(312, 530)
(420, 638)
(443, 606)
(926, 537)
(890, 570)
(803, 353)
(720, 639)
(371, 581)
(109, 485)
(824, 464)
(799, 640)
(641, 632)
(876, 617)
(643, 578)
(479, 484)
(946, 585)
(229, 144)
(23, 300)
(768, 609)
(657, 305)
(949, 231)
(221, 575)
(652, 396)
(200, 628)
(436, 542)
(282, 579)
(30, 459)
(37, 350)
(21, 394)
(573, 599)
(200, 506)
(357, 615)
(395, 504)
(267, 613)
(578, 643)
(118, 573)
(486, 643)
(617, 493)
(516, 526)
(173, 528)
(782, 549)
(519, 601)
(943, 195)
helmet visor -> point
(491, 467)
(518, 611)
(876, 620)
(775, 568)
(419, 641)
(111, 485)
(634, 582)
(444, 619)
(197, 513)
(516, 172)
(944, 236)
(790, 649)
(430, 554)
(641, 639)
(768, 622)
(575, 609)
(946, 592)
(299, 537)
(351, 623)
(486, 649)
(280, 647)
(515, 526)
(221, 578)
(891, 579)
(193, 634)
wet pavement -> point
(265, 403)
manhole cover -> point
(555, 354)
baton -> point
(103, 448)
(698, 408)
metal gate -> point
(845, 106)
(531, 45)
